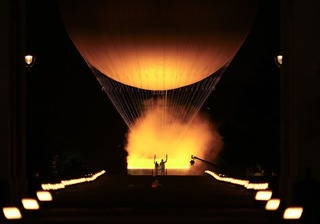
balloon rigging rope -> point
(178, 106)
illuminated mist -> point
(159, 132)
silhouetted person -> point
(156, 166)
(163, 166)
(306, 194)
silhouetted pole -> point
(202, 160)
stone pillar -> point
(300, 93)
(12, 101)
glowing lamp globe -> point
(158, 45)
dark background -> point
(69, 115)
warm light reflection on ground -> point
(173, 163)
(64, 183)
(171, 171)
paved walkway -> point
(148, 199)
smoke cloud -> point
(160, 132)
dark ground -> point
(139, 199)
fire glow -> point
(160, 133)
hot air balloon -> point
(151, 55)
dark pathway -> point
(147, 199)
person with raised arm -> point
(163, 166)
(156, 165)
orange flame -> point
(160, 133)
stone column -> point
(12, 101)
(300, 93)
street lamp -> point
(29, 60)
(278, 60)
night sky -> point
(69, 114)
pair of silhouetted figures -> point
(160, 167)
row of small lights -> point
(244, 183)
(262, 194)
(44, 195)
(65, 183)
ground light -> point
(44, 196)
(30, 204)
(11, 213)
(263, 195)
(293, 213)
(272, 204)
(64, 183)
